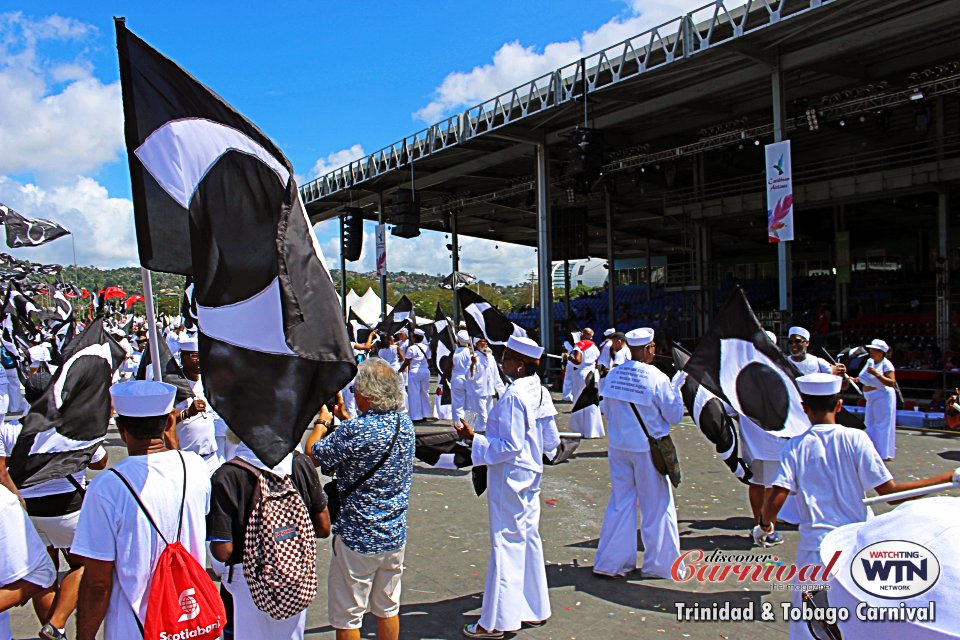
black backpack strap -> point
(636, 412)
(243, 464)
(77, 485)
(140, 504)
(369, 474)
(183, 495)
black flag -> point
(29, 232)
(188, 306)
(402, 317)
(443, 343)
(737, 362)
(485, 320)
(272, 343)
(69, 421)
(710, 417)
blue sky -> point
(329, 81)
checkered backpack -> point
(280, 549)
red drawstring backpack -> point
(184, 603)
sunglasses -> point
(796, 341)
(819, 628)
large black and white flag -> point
(358, 330)
(63, 309)
(64, 427)
(711, 418)
(443, 343)
(737, 362)
(28, 232)
(188, 306)
(215, 199)
(402, 317)
(485, 320)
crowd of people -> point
(188, 485)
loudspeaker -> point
(352, 233)
(404, 214)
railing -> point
(712, 24)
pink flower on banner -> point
(775, 218)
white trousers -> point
(251, 623)
(635, 481)
(881, 420)
(481, 406)
(418, 392)
(18, 404)
(515, 590)
(458, 398)
(568, 375)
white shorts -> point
(358, 583)
(57, 531)
(764, 472)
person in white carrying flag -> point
(518, 433)
(586, 421)
(829, 468)
(463, 360)
(569, 372)
(636, 391)
(806, 363)
(197, 424)
(417, 355)
(483, 383)
(879, 390)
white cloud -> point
(102, 226)
(56, 118)
(494, 262)
(336, 160)
(514, 63)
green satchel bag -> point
(662, 451)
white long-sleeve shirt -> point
(664, 408)
(519, 428)
(461, 365)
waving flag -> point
(28, 232)
(402, 317)
(272, 342)
(737, 362)
(188, 306)
(69, 421)
(485, 320)
(710, 417)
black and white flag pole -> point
(152, 335)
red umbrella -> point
(109, 293)
(132, 300)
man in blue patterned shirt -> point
(371, 531)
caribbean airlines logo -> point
(895, 569)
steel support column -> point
(649, 275)
(381, 218)
(544, 249)
(611, 272)
(455, 255)
(343, 273)
(784, 271)
(943, 269)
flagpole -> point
(152, 335)
(76, 271)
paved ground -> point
(448, 549)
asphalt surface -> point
(448, 548)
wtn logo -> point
(902, 570)
(895, 569)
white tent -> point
(367, 307)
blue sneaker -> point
(771, 540)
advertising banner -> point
(779, 192)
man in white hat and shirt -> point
(197, 424)
(518, 433)
(119, 545)
(416, 357)
(829, 468)
(798, 339)
(604, 346)
(616, 353)
(464, 360)
(633, 391)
